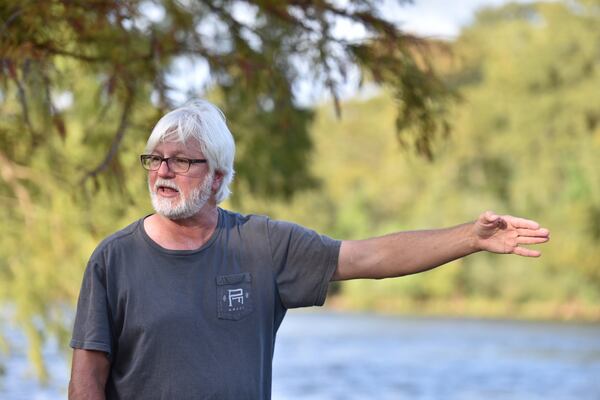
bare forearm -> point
(86, 389)
(89, 374)
(404, 253)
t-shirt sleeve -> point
(304, 262)
(92, 330)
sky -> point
(437, 18)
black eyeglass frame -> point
(189, 161)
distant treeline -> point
(525, 140)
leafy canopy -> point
(84, 81)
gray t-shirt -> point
(199, 324)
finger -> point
(532, 240)
(522, 251)
(543, 232)
(521, 222)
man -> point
(185, 303)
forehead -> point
(190, 148)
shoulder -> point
(263, 224)
(231, 219)
(116, 244)
(120, 239)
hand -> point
(504, 234)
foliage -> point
(526, 139)
(83, 82)
(253, 49)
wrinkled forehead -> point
(173, 137)
(175, 146)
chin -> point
(181, 210)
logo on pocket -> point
(235, 297)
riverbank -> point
(573, 311)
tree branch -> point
(114, 147)
(23, 102)
(10, 19)
(11, 173)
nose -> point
(164, 170)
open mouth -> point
(166, 189)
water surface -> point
(328, 356)
(345, 356)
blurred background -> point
(352, 117)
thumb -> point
(490, 218)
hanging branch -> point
(324, 58)
(22, 99)
(118, 138)
(11, 173)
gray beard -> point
(186, 206)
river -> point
(326, 355)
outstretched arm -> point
(406, 253)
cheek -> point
(151, 179)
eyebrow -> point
(178, 154)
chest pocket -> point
(234, 296)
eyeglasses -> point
(152, 162)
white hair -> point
(204, 122)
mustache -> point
(165, 183)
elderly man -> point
(185, 303)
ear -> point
(217, 181)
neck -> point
(183, 234)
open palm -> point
(505, 234)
